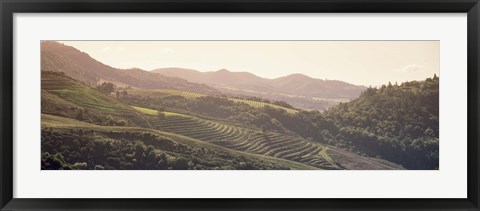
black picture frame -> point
(10, 7)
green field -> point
(67, 104)
(64, 96)
(145, 110)
(259, 104)
(253, 141)
(98, 117)
(192, 95)
(81, 95)
(66, 124)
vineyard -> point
(259, 104)
(252, 141)
(202, 154)
(264, 143)
(193, 95)
(145, 110)
(97, 117)
(164, 93)
(80, 95)
(65, 97)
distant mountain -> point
(222, 76)
(297, 89)
(58, 57)
(188, 74)
(299, 84)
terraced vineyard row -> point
(259, 104)
(165, 92)
(193, 95)
(247, 140)
(80, 95)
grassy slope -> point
(79, 65)
(50, 121)
(145, 110)
(191, 95)
(339, 158)
(64, 96)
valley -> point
(96, 117)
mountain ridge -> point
(58, 57)
(297, 89)
(284, 83)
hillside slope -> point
(399, 123)
(71, 144)
(84, 108)
(299, 90)
(78, 65)
(64, 96)
(299, 84)
(222, 76)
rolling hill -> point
(72, 111)
(64, 96)
(272, 144)
(135, 148)
(161, 93)
(302, 85)
(178, 118)
(299, 90)
(58, 57)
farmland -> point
(252, 141)
(171, 147)
(99, 117)
(192, 95)
(63, 96)
(267, 149)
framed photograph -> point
(228, 105)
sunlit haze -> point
(357, 62)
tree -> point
(52, 162)
(181, 164)
(122, 123)
(264, 129)
(160, 113)
(110, 121)
(106, 87)
(140, 149)
(99, 167)
(80, 116)
(80, 166)
(162, 161)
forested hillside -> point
(99, 117)
(398, 123)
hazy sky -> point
(357, 62)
